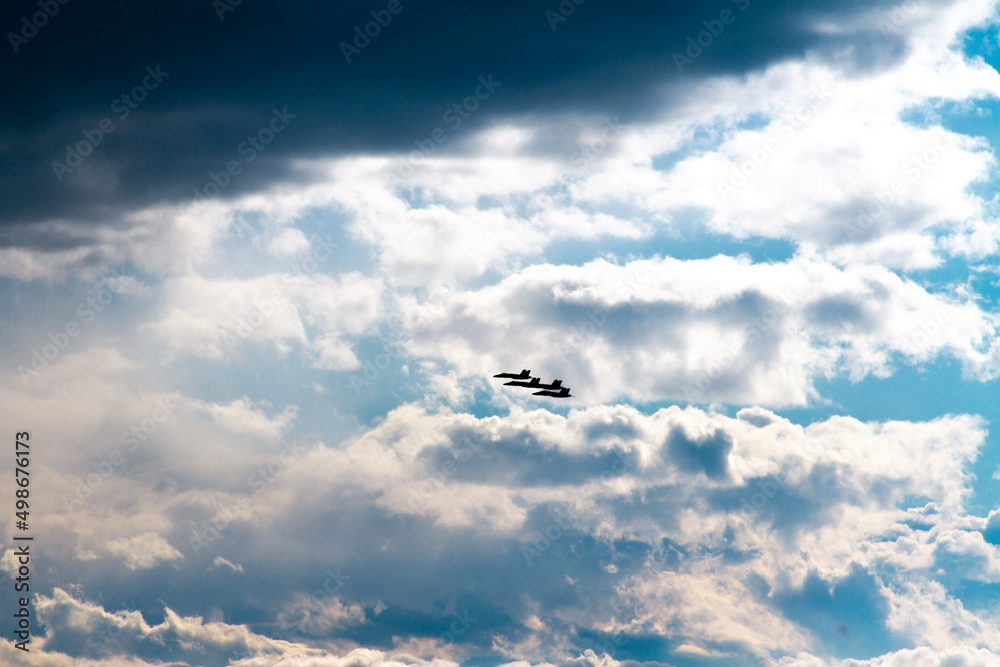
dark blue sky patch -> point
(708, 454)
(847, 616)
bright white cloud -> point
(144, 551)
(215, 318)
(720, 329)
(241, 416)
(77, 624)
(691, 526)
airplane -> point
(523, 375)
(535, 383)
(562, 393)
(555, 386)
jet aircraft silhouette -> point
(535, 382)
(562, 393)
(523, 375)
(555, 390)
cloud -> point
(719, 329)
(544, 486)
(899, 194)
(801, 203)
(242, 417)
(794, 179)
(143, 551)
(360, 657)
(214, 319)
(319, 616)
(220, 561)
(714, 518)
(193, 106)
(77, 627)
(956, 656)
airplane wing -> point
(523, 375)
(562, 393)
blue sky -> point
(758, 242)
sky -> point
(259, 263)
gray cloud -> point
(225, 77)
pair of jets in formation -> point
(556, 390)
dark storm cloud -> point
(222, 79)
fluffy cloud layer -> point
(211, 491)
(720, 329)
(693, 330)
(897, 193)
(213, 318)
(696, 526)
